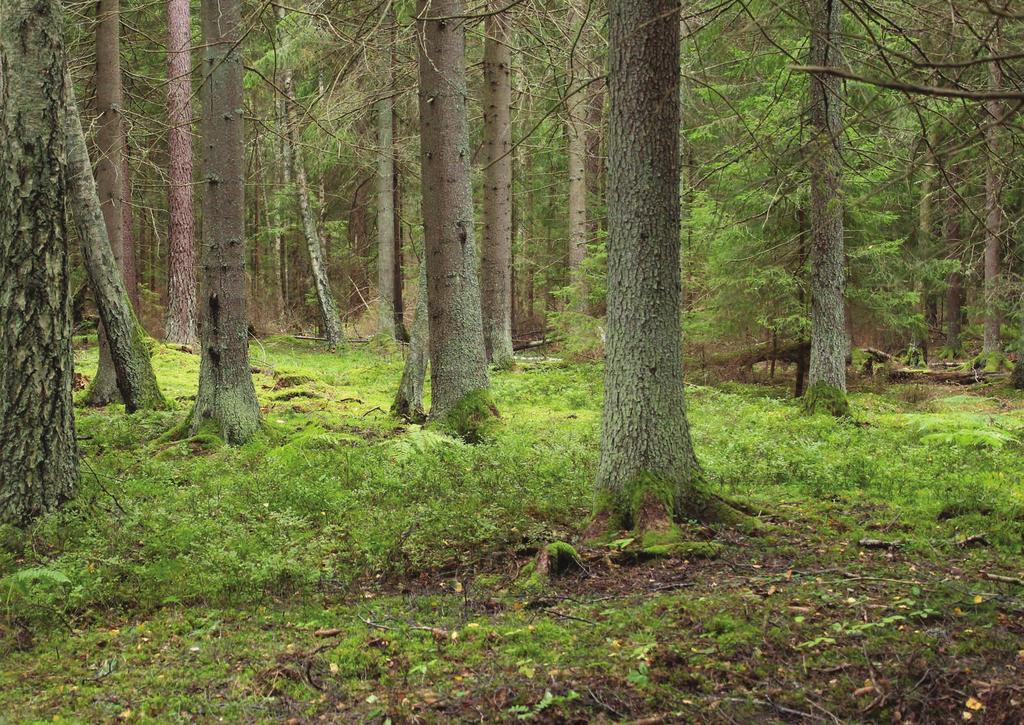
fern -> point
(963, 431)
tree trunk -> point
(458, 376)
(409, 400)
(109, 170)
(129, 258)
(994, 216)
(827, 373)
(226, 395)
(577, 159)
(648, 474)
(180, 323)
(496, 265)
(330, 319)
(38, 452)
(595, 170)
(129, 351)
(953, 234)
(386, 202)
(399, 299)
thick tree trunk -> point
(330, 319)
(648, 473)
(386, 204)
(409, 400)
(226, 395)
(827, 373)
(129, 351)
(496, 265)
(38, 452)
(994, 215)
(459, 383)
(180, 324)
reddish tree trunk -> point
(181, 264)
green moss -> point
(824, 398)
(1017, 378)
(992, 362)
(562, 557)
(474, 418)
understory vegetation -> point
(348, 565)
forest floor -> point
(347, 567)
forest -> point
(554, 361)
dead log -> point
(943, 377)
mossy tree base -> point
(824, 398)
(474, 418)
(992, 362)
(649, 512)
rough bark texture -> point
(110, 149)
(129, 351)
(330, 319)
(180, 323)
(458, 362)
(226, 395)
(828, 259)
(409, 399)
(496, 265)
(38, 453)
(386, 209)
(646, 452)
(994, 216)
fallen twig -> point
(1004, 579)
(879, 544)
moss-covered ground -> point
(347, 567)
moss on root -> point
(474, 419)
(825, 398)
(650, 508)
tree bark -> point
(458, 363)
(129, 351)
(110, 150)
(496, 265)
(953, 240)
(330, 318)
(994, 215)
(226, 395)
(386, 201)
(180, 323)
(129, 256)
(827, 373)
(399, 299)
(38, 452)
(648, 473)
(577, 160)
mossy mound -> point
(474, 419)
(825, 398)
(992, 362)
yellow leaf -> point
(974, 704)
(978, 599)
(334, 668)
(966, 715)
(458, 586)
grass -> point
(349, 567)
